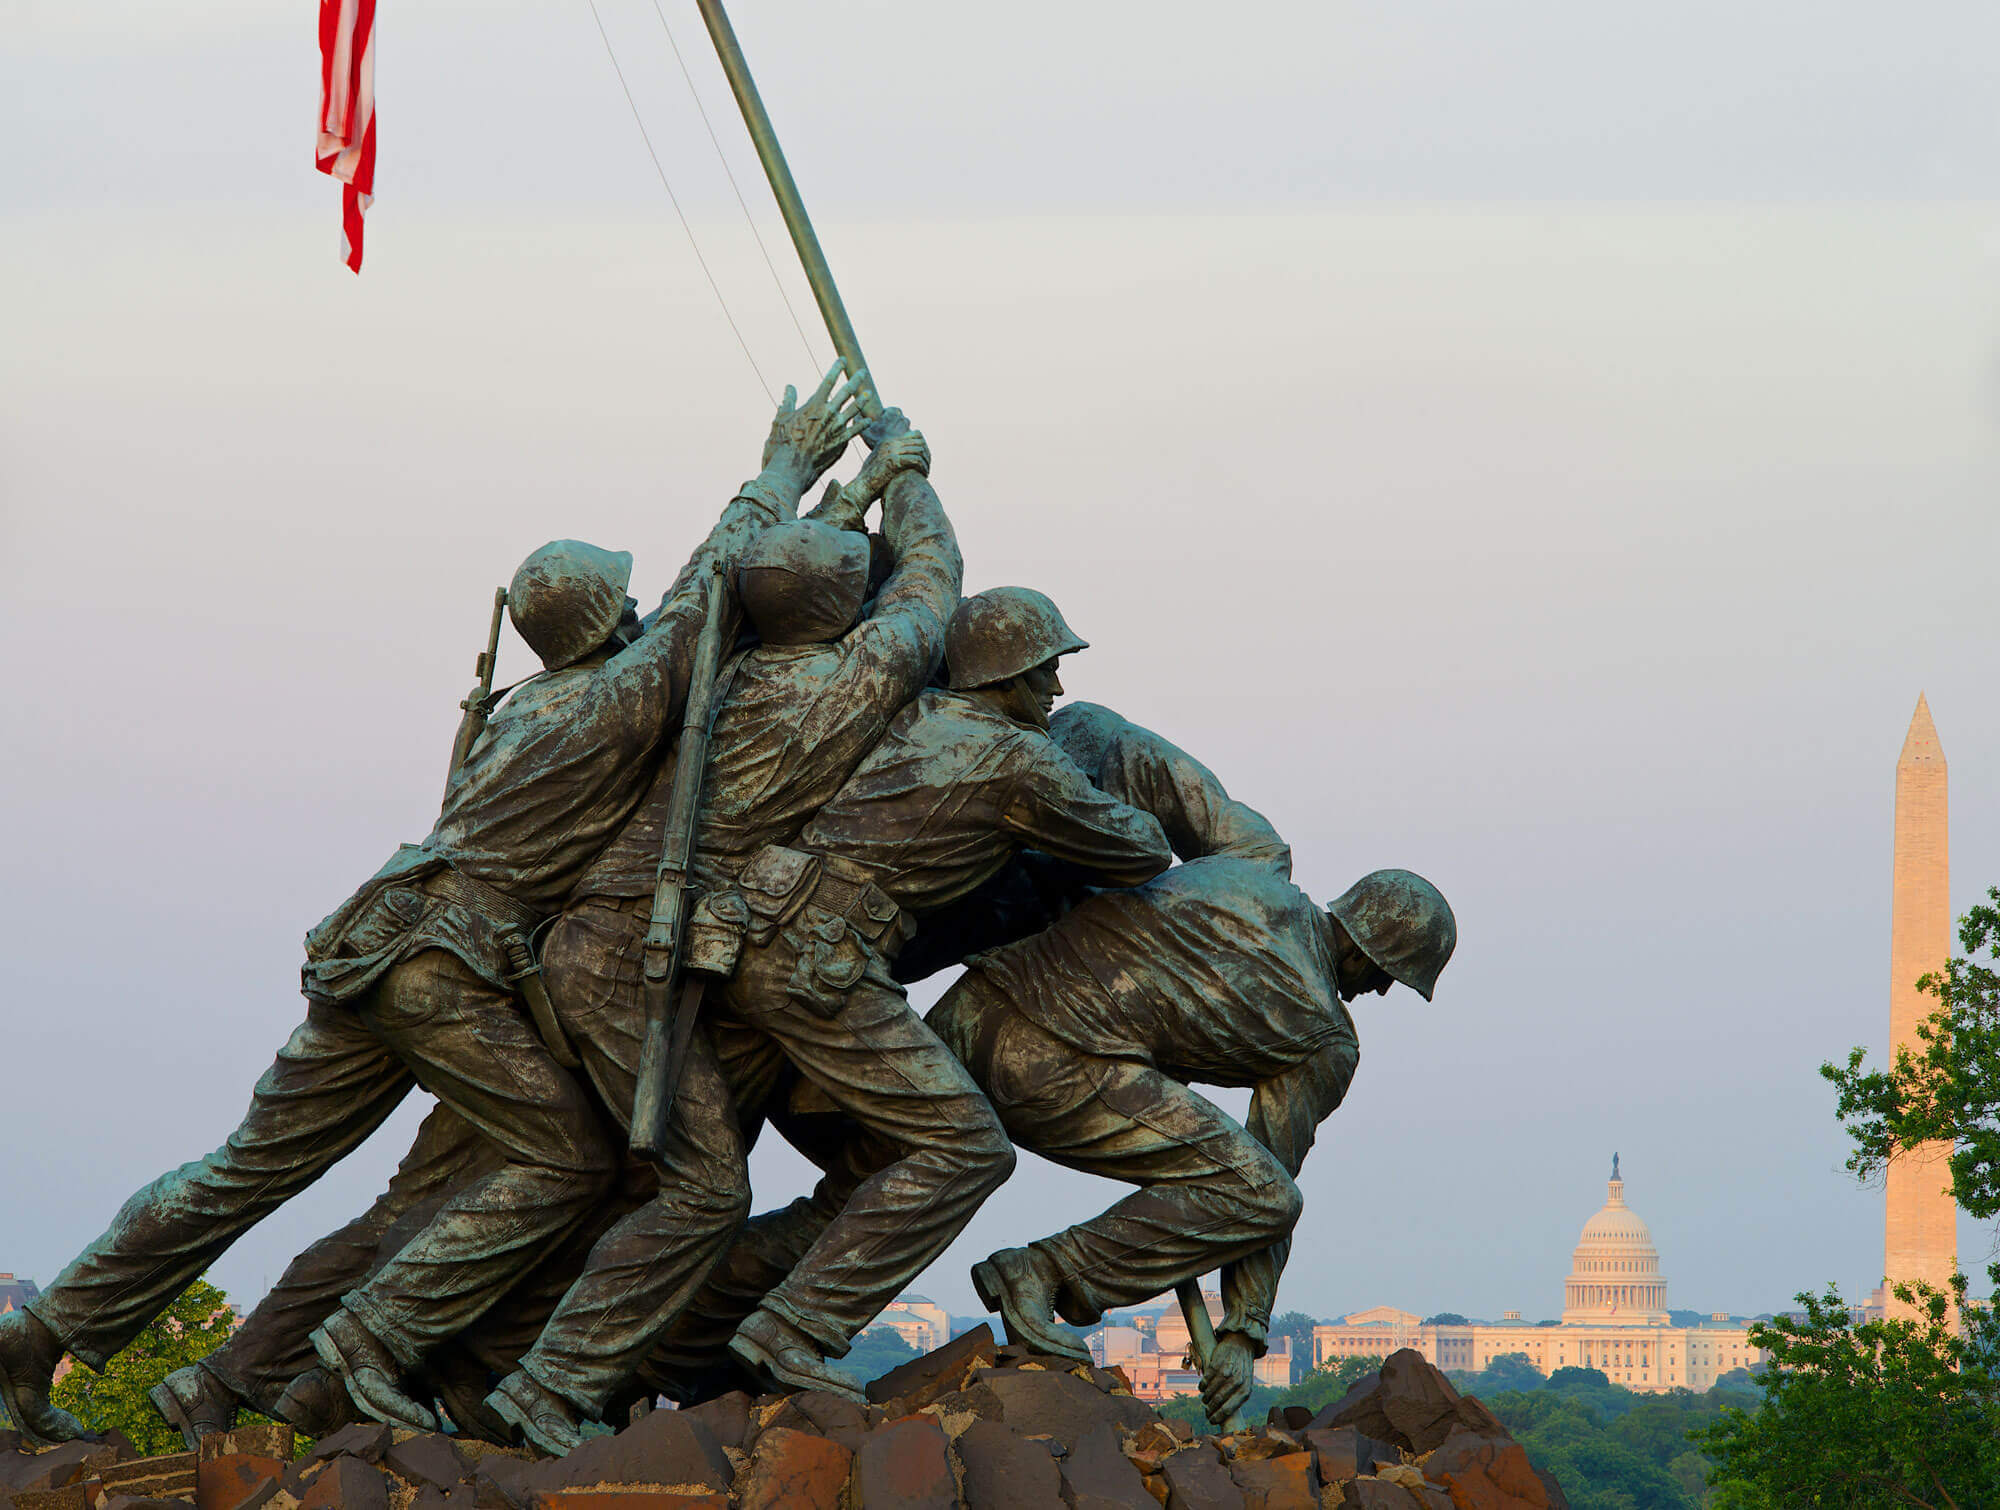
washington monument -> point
(1920, 1228)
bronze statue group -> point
(886, 791)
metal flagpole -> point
(818, 274)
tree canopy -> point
(1949, 1089)
(189, 1330)
(1892, 1412)
(1299, 1327)
(1899, 1411)
(875, 1352)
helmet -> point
(1002, 632)
(803, 582)
(567, 598)
(1402, 922)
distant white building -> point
(1116, 1344)
(1614, 1318)
(1275, 1369)
(922, 1323)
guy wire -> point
(674, 198)
(748, 219)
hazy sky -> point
(1547, 448)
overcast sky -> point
(1548, 447)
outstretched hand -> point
(808, 438)
(1225, 1382)
(905, 453)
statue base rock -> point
(970, 1425)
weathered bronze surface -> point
(881, 792)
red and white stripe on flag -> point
(347, 112)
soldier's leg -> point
(880, 1066)
(270, 1349)
(1209, 1193)
(331, 1085)
(641, 1271)
(644, 1270)
(692, 1357)
(476, 1051)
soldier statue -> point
(1086, 1035)
(415, 979)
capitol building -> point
(1614, 1318)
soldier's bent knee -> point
(989, 1151)
(1282, 1204)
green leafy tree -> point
(189, 1330)
(1948, 1089)
(1893, 1412)
(1299, 1327)
(1445, 1318)
(1509, 1371)
(875, 1352)
(1900, 1411)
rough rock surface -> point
(971, 1425)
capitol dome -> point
(1615, 1275)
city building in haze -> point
(920, 1322)
(1614, 1318)
(15, 1293)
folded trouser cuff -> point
(216, 1366)
(382, 1327)
(1078, 1301)
(1252, 1327)
(556, 1381)
(831, 1343)
(81, 1351)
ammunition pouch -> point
(715, 931)
(836, 919)
(775, 884)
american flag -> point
(347, 112)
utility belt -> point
(516, 926)
(827, 908)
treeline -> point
(1610, 1448)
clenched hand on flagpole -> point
(347, 112)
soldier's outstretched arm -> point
(1053, 808)
(1285, 1114)
(648, 679)
(899, 645)
(1135, 765)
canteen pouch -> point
(715, 933)
(831, 959)
(775, 884)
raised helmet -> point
(567, 598)
(1002, 632)
(1402, 923)
(803, 582)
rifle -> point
(478, 703)
(527, 971)
(671, 1014)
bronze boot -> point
(781, 1353)
(317, 1403)
(29, 1353)
(195, 1403)
(542, 1417)
(373, 1380)
(1021, 1285)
